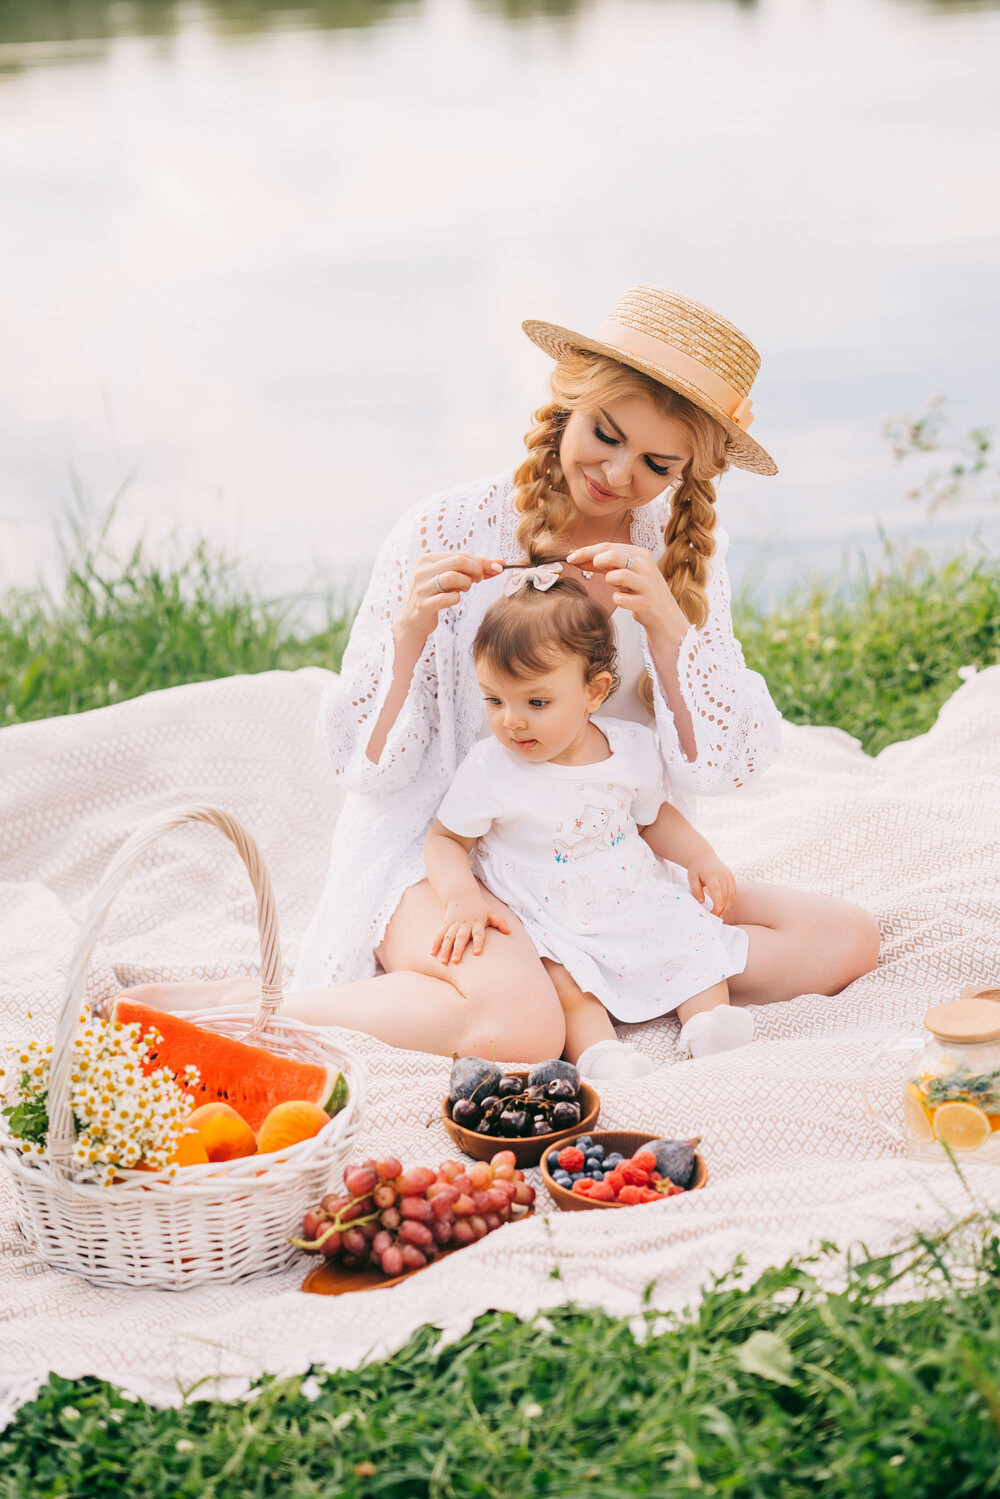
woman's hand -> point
(641, 588)
(707, 875)
(466, 918)
(455, 572)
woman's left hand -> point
(638, 585)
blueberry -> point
(594, 1160)
(597, 1176)
(562, 1178)
(597, 1150)
(576, 1176)
(552, 1161)
(583, 1143)
(614, 1159)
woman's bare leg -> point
(799, 943)
(500, 1004)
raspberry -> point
(602, 1192)
(615, 1180)
(633, 1175)
(649, 1194)
(645, 1160)
(585, 1186)
(630, 1194)
(571, 1159)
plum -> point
(468, 1076)
(547, 1072)
(675, 1159)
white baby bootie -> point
(607, 1059)
(721, 1029)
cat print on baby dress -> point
(592, 835)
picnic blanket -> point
(913, 834)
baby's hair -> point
(531, 630)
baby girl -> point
(563, 817)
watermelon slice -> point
(248, 1078)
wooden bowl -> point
(628, 1142)
(528, 1150)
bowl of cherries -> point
(527, 1112)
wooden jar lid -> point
(965, 1021)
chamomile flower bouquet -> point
(126, 1115)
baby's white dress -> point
(560, 844)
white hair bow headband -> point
(543, 576)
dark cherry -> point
(508, 1086)
(560, 1088)
(465, 1113)
(541, 1127)
(565, 1115)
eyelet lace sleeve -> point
(352, 703)
(737, 728)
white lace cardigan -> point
(377, 848)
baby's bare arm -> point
(466, 913)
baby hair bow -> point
(542, 576)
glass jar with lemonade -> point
(950, 1082)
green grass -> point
(875, 654)
(118, 629)
(774, 1392)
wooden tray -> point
(330, 1279)
(528, 1149)
(628, 1142)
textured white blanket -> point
(914, 835)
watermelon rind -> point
(338, 1095)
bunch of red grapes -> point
(396, 1220)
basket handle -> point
(62, 1133)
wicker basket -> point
(214, 1223)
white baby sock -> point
(721, 1029)
(607, 1059)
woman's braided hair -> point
(547, 512)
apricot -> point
(225, 1134)
(290, 1123)
(190, 1151)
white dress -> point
(387, 807)
(560, 845)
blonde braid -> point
(689, 543)
(546, 509)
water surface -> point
(266, 264)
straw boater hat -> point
(683, 345)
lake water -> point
(264, 265)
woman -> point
(619, 478)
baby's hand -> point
(709, 876)
(465, 920)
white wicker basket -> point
(219, 1222)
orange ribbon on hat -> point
(672, 361)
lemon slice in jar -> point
(918, 1120)
(961, 1126)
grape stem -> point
(337, 1226)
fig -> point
(471, 1076)
(547, 1072)
(675, 1159)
